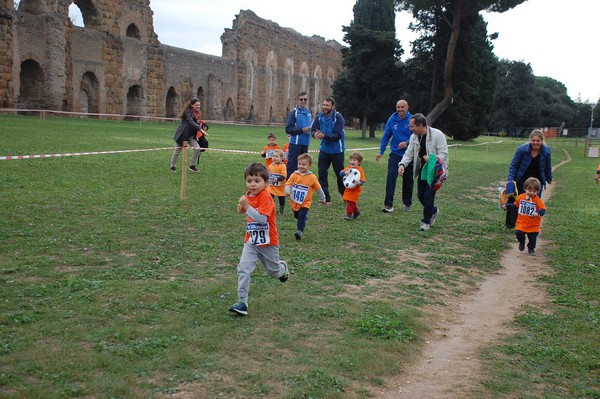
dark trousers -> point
(293, 151)
(426, 197)
(302, 215)
(531, 236)
(326, 160)
(392, 176)
(281, 199)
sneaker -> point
(298, 235)
(387, 209)
(532, 252)
(357, 214)
(173, 169)
(286, 275)
(281, 210)
(193, 168)
(349, 216)
(425, 226)
(521, 246)
(434, 216)
(406, 208)
(240, 308)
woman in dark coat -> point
(532, 159)
(186, 131)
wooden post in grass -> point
(183, 172)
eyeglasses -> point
(303, 99)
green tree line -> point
(452, 76)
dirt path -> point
(449, 365)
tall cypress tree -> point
(367, 87)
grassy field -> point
(113, 287)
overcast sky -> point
(555, 37)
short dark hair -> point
(357, 155)
(302, 93)
(419, 119)
(257, 169)
(273, 135)
(330, 100)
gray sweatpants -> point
(197, 150)
(251, 254)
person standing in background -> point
(297, 127)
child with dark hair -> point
(269, 148)
(530, 208)
(261, 242)
(353, 188)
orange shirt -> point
(303, 187)
(352, 194)
(286, 151)
(277, 187)
(526, 222)
(262, 233)
(268, 153)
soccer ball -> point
(352, 178)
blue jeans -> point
(426, 197)
(325, 160)
(392, 177)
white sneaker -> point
(434, 216)
(425, 226)
(387, 209)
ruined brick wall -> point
(117, 65)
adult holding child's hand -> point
(532, 159)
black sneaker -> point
(173, 169)
(298, 235)
(240, 308)
(356, 215)
(193, 168)
(281, 210)
(286, 275)
(349, 216)
(521, 246)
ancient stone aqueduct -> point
(116, 64)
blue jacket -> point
(298, 119)
(522, 159)
(398, 130)
(334, 141)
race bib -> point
(259, 233)
(274, 179)
(269, 153)
(527, 208)
(299, 193)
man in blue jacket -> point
(328, 127)
(397, 129)
(298, 127)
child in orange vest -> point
(351, 194)
(277, 179)
(530, 209)
(269, 148)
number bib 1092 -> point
(527, 208)
(299, 193)
(259, 233)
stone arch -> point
(330, 77)
(31, 78)
(171, 103)
(92, 17)
(289, 79)
(251, 114)
(229, 111)
(135, 98)
(317, 76)
(304, 78)
(33, 6)
(200, 96)
(133, 31)
(251, 61)
(271, 78)
(88, 93)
